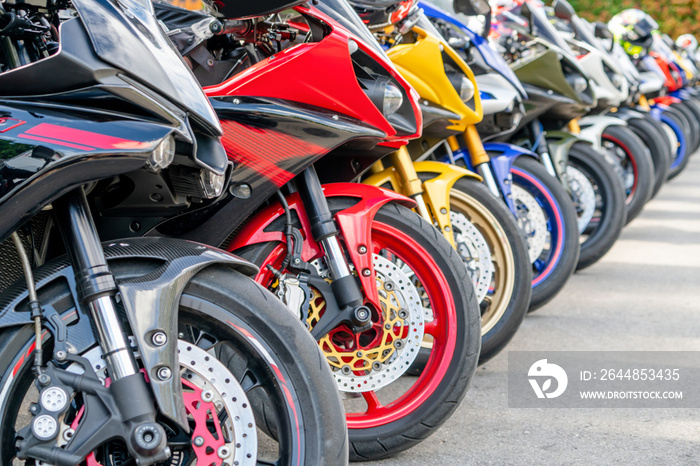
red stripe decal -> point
(78, 136)
(53, 141)
(263, 150)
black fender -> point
(49, 150)
(150, 302)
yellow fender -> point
(436, 190)
(421, 64)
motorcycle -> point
(144, 350)
(366, 275)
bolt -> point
(210, 62)
(366, 272)
(223, 452)
(403, 314)
(159, 338)
(61, 355)
(198, 441)
(68, 434)
(377, 366)
(44, 379)
(388, 286)
(34, 408)
(335, 117)
(297, 260)
(207, 396)
(443, 211)
(398, 344)
(359, 354)
(346, 370)
(236, 101)
(362, 249)
(387, 326)
(164, 373)
(448, 229)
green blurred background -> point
(676, 17)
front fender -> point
(560, 143)
(150, 302)
(503, 156)
(592, 128)
(436, 189)
(355, 224)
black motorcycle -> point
(146, 350)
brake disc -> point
(584, 197)
(377, 357)
(224, 432)
(531, 220)
(475, 253)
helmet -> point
(377, 14)
(687, 42)
(633, 29)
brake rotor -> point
(584, 197)
(375, 358)
(223, 425)
(531, 220)
(475, 253)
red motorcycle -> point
(309, 97)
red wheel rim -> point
(443, 328)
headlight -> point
(393, 99)
(466, 89)
(212, 184)
(163, 156)
(578, 83)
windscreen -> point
(125, 34)
(343, 13)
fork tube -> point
(412, 185)
(323, 226)
(95, 283)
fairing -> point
(45, 155)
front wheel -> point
(546, 215)
(239, 348)
(629, 152)
(599, 201)
(424, 290)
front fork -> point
(97, 291)
(345, 287)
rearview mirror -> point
(563, 10)
(602, 31)
(527, 14)
(471, 7)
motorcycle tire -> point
(241, 333)
(682, 155)
(553, 266)
(599, 235)
(693, 106)
(693, 125)
(637, 166)
(380, 428)
(508, 298)
(654, 138)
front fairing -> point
(492, 58)
(128, 36)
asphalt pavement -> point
(643, 295)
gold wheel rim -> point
(503, 279)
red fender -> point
(355, 224)
(666, 100)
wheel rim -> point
(442, 328)
(628, 163)
(502, 280)
(584, 197)
(550, 257)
